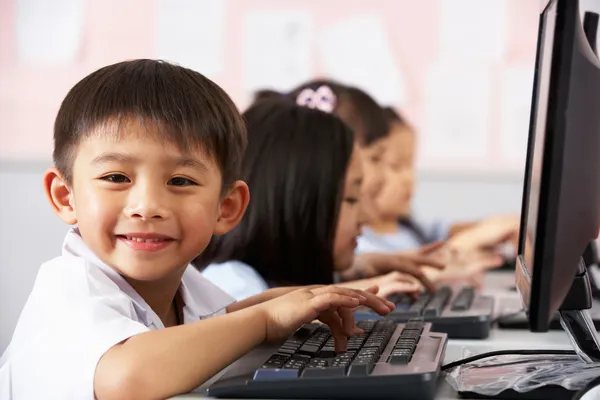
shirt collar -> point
(201, 298)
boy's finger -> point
(373, 289)
(325, 301)
(377, 304)
(338, 290)
(347, 317)
(334, 321)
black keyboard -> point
(460, 311)
(387, 361)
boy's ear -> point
(60, 195)
(232, 208)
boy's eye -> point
(116, 178)
(375, 159)
(180, 181)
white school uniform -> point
(238, 279)
(78, 309)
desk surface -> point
(497, 284)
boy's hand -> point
(330, 304)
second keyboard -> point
(458, 311)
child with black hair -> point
(394, 227)
(305, 176)
(147, 158)
(367, 120)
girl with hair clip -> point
(302, 221)
(394, 228)
(366, 119)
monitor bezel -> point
(535, 290)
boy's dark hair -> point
(175, 103)
(355, 107)
(295, 166)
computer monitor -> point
(561, 198)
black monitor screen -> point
(539, 130)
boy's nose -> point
(147, 203)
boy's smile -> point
(146, 241)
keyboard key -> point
(436, 304)
(318, 363)
(301, 357)
(463, 301)
(309, 349)
(360, 368)
(276, 361)
(400, 359)
(275, 374)
(329, 372)
(416, 325)
(418, 306)
(273, 364)
(327, 352)
(366, 325)
(286, 350)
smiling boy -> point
(146, 160)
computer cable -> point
(481, 356)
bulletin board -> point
(460, 70)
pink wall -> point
(117, 30)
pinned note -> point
(49, 33)
(473, 30)
(358, 51)
(277, 49)
(457, 112)
(191, 33)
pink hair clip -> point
(322, 99)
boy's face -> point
(349, 220)
(394, 200)
(143, 206)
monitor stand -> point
(576, 320)
(581, 331)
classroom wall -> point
(30, 234)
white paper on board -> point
(277, 49)
(49, 33)
(358, 51)
(191, 33)
(456, 114)
(473, 30)
(517, 87)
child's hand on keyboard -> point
(330, 304)
(390, 283)
(465, 266)
(411, 263)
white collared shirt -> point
(238, 279)
(78, 309)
